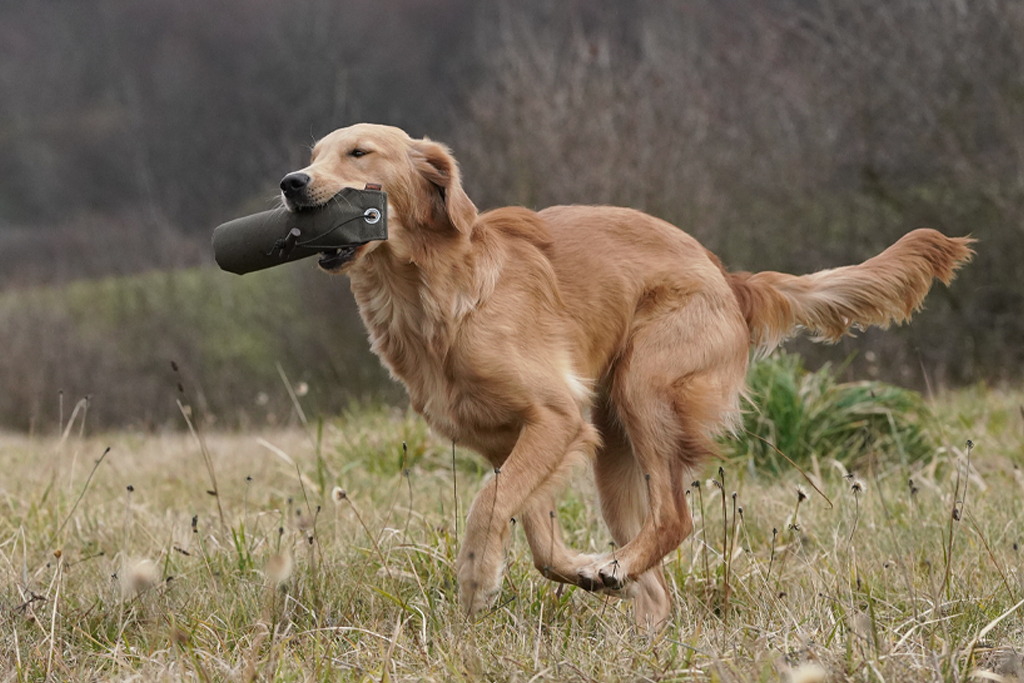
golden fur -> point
(541, 339)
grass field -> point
(325, 552)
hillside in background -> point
(790, 136)
(133, 345)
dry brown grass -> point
(298, 583)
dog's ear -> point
(435, 162)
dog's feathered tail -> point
(884, 289)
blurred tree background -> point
(786, 134)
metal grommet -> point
(371, 215)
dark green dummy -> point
(334, 231)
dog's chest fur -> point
(413, 329)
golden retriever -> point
(541, 339)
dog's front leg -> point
(545, 443)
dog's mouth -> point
(334, 259)
(364, 211)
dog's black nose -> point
(294, 183)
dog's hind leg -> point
(677, 385)
(624, 505)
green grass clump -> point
(806, 414)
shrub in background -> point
(804, 413)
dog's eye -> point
(357, 152)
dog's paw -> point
(604, 574)
(479, 583)
(476, 598)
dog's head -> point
(425, 196)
